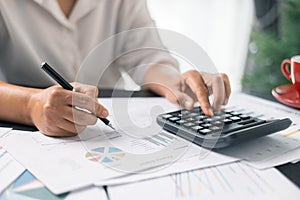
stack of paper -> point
(77, 167)
(273, 150)
(232, 181)
(9, 168)
(99, 154)
(139, 149)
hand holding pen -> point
(66, 85)
(54, 113)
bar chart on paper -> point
(120, 145)
(232, 181)
(291, 133)
(147, 143)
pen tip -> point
(111, 126)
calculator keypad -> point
(225, 128)
(197, 122)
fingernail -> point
(187, 104)
(104, 113)
(211, 112)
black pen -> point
(66, 85)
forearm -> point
(14, 103)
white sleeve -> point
(3, 30)
(3, 33)
(141, 46)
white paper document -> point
(4, 131)
(194, 158)
(262, 152)
(9, 168)
(275, 149)
(76, 166)
(61, 166)
(29, 188)
(291, 156)
(231, 181)
(138, 147)
(99, 153)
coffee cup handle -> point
(284, 69)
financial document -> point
(194, 158)
(61, 165)
(272, 150)
(29, 188)
(4, 131)
(139, 149)
(9, 168)
(138, 146)
(231, 181)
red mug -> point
(291, 70)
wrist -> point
(14, 103)
(31, 103)
(162, 78)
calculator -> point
(225, 128)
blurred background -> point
(246, 39)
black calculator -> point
(224, 129)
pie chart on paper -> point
(105, 154)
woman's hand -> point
(185, 89)
(198, 86)
(53, 110)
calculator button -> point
(193, 115)
(201, 117)
(216, 118)
(180, 122)
(227, 115)
(216, 113)
(167, 116)
(206, 125)
(244, 117)
(217, 123)
(199, 122)
(189, 124)
(204, 131)
(174, 119)
(185, 112)
(197, 128)
(235, 119)
(227, 121)
(177, 115)
(190, 119)
(235, 113)
(215, 128)
(209, 120)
